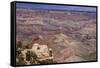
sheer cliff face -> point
(71, 35)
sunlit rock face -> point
(38, 53)
(42, 51)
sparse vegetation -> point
(30, 56)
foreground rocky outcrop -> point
(38, 54)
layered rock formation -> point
(70, 35)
